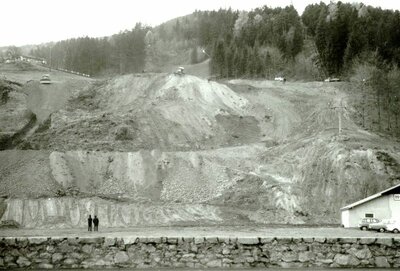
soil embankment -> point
(247, 151)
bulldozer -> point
(180, 71)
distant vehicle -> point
(280, 78)
(365, 222)
(45, 79)
(382, 225)
(329, 79)
(180, 71)
(393, 227)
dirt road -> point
(43, 99)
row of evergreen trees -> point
(256, 43)
(339, 34)
(120, 53)
(345, 32)
(259, 43)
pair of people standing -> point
(94, 221)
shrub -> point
(123, 133)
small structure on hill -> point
(382, 205)
(180, 71)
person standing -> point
(90, 223)
(96, 223)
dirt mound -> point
(151, 111)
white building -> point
(382, 205)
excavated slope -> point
(185, 150)
(72, 212)
(151, 111)
(14, 113)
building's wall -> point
(394, 206)
(380, 207)
(346, 218)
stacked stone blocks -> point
(209, 252)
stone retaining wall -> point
(137, 252)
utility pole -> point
(340, 107)
(204, 52)
(363, 102)
(50, 58)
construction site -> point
(185, 171)
(167, 149)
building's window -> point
(369, 215)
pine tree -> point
(218, 58)
(236, 63)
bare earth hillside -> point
(151, 111)
(161, 149)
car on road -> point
(382, 225)
(365, 222)
(45, 79)
(180, 71)
(393, 227)
(280, 79)
(330, 79)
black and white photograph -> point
(199, 135)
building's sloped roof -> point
(390, 190)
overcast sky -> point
(36, 21)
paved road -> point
(212, 231)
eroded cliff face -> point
(151, 175)
(308, 184)
(71, 212)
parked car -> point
(45, 79)
(393, 227)
(180, 71)
(329, 79)
(280, 78)
(381, 226)
(365, 222)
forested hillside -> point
(259, 43)
(121, 53)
